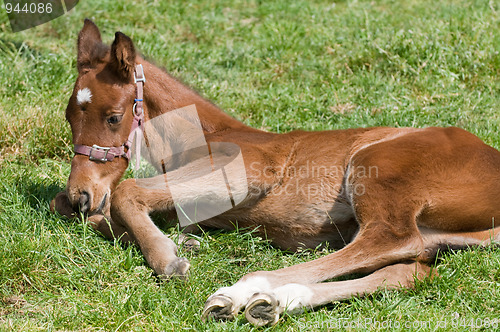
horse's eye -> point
(114, 119)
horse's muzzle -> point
(84, 202)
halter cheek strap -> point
(104, 154)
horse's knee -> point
(61, 204)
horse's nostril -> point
(84, 202)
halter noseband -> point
(104, 154)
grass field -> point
(275, 65)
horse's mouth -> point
(103, 202)
(101, 206)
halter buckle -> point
(98, 148)
(140, 73)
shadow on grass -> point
(38, 196)
(14, 47)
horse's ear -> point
(123, 55)
(90, 46)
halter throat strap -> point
(104, 154)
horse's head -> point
(100, 112)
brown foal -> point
(388, 198)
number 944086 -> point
(29, 8)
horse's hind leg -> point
(371, 250)
(436, 241)
(388, 234)
(265, 308)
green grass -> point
(274, 65)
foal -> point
(387, 198)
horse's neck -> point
(163, 93)
(176, 113)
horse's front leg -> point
(61, 205)
(99, 222)
(131, 205)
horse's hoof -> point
(178, 269)
(182, 268)
(218, 307)
(262, 309)
(191, 245)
